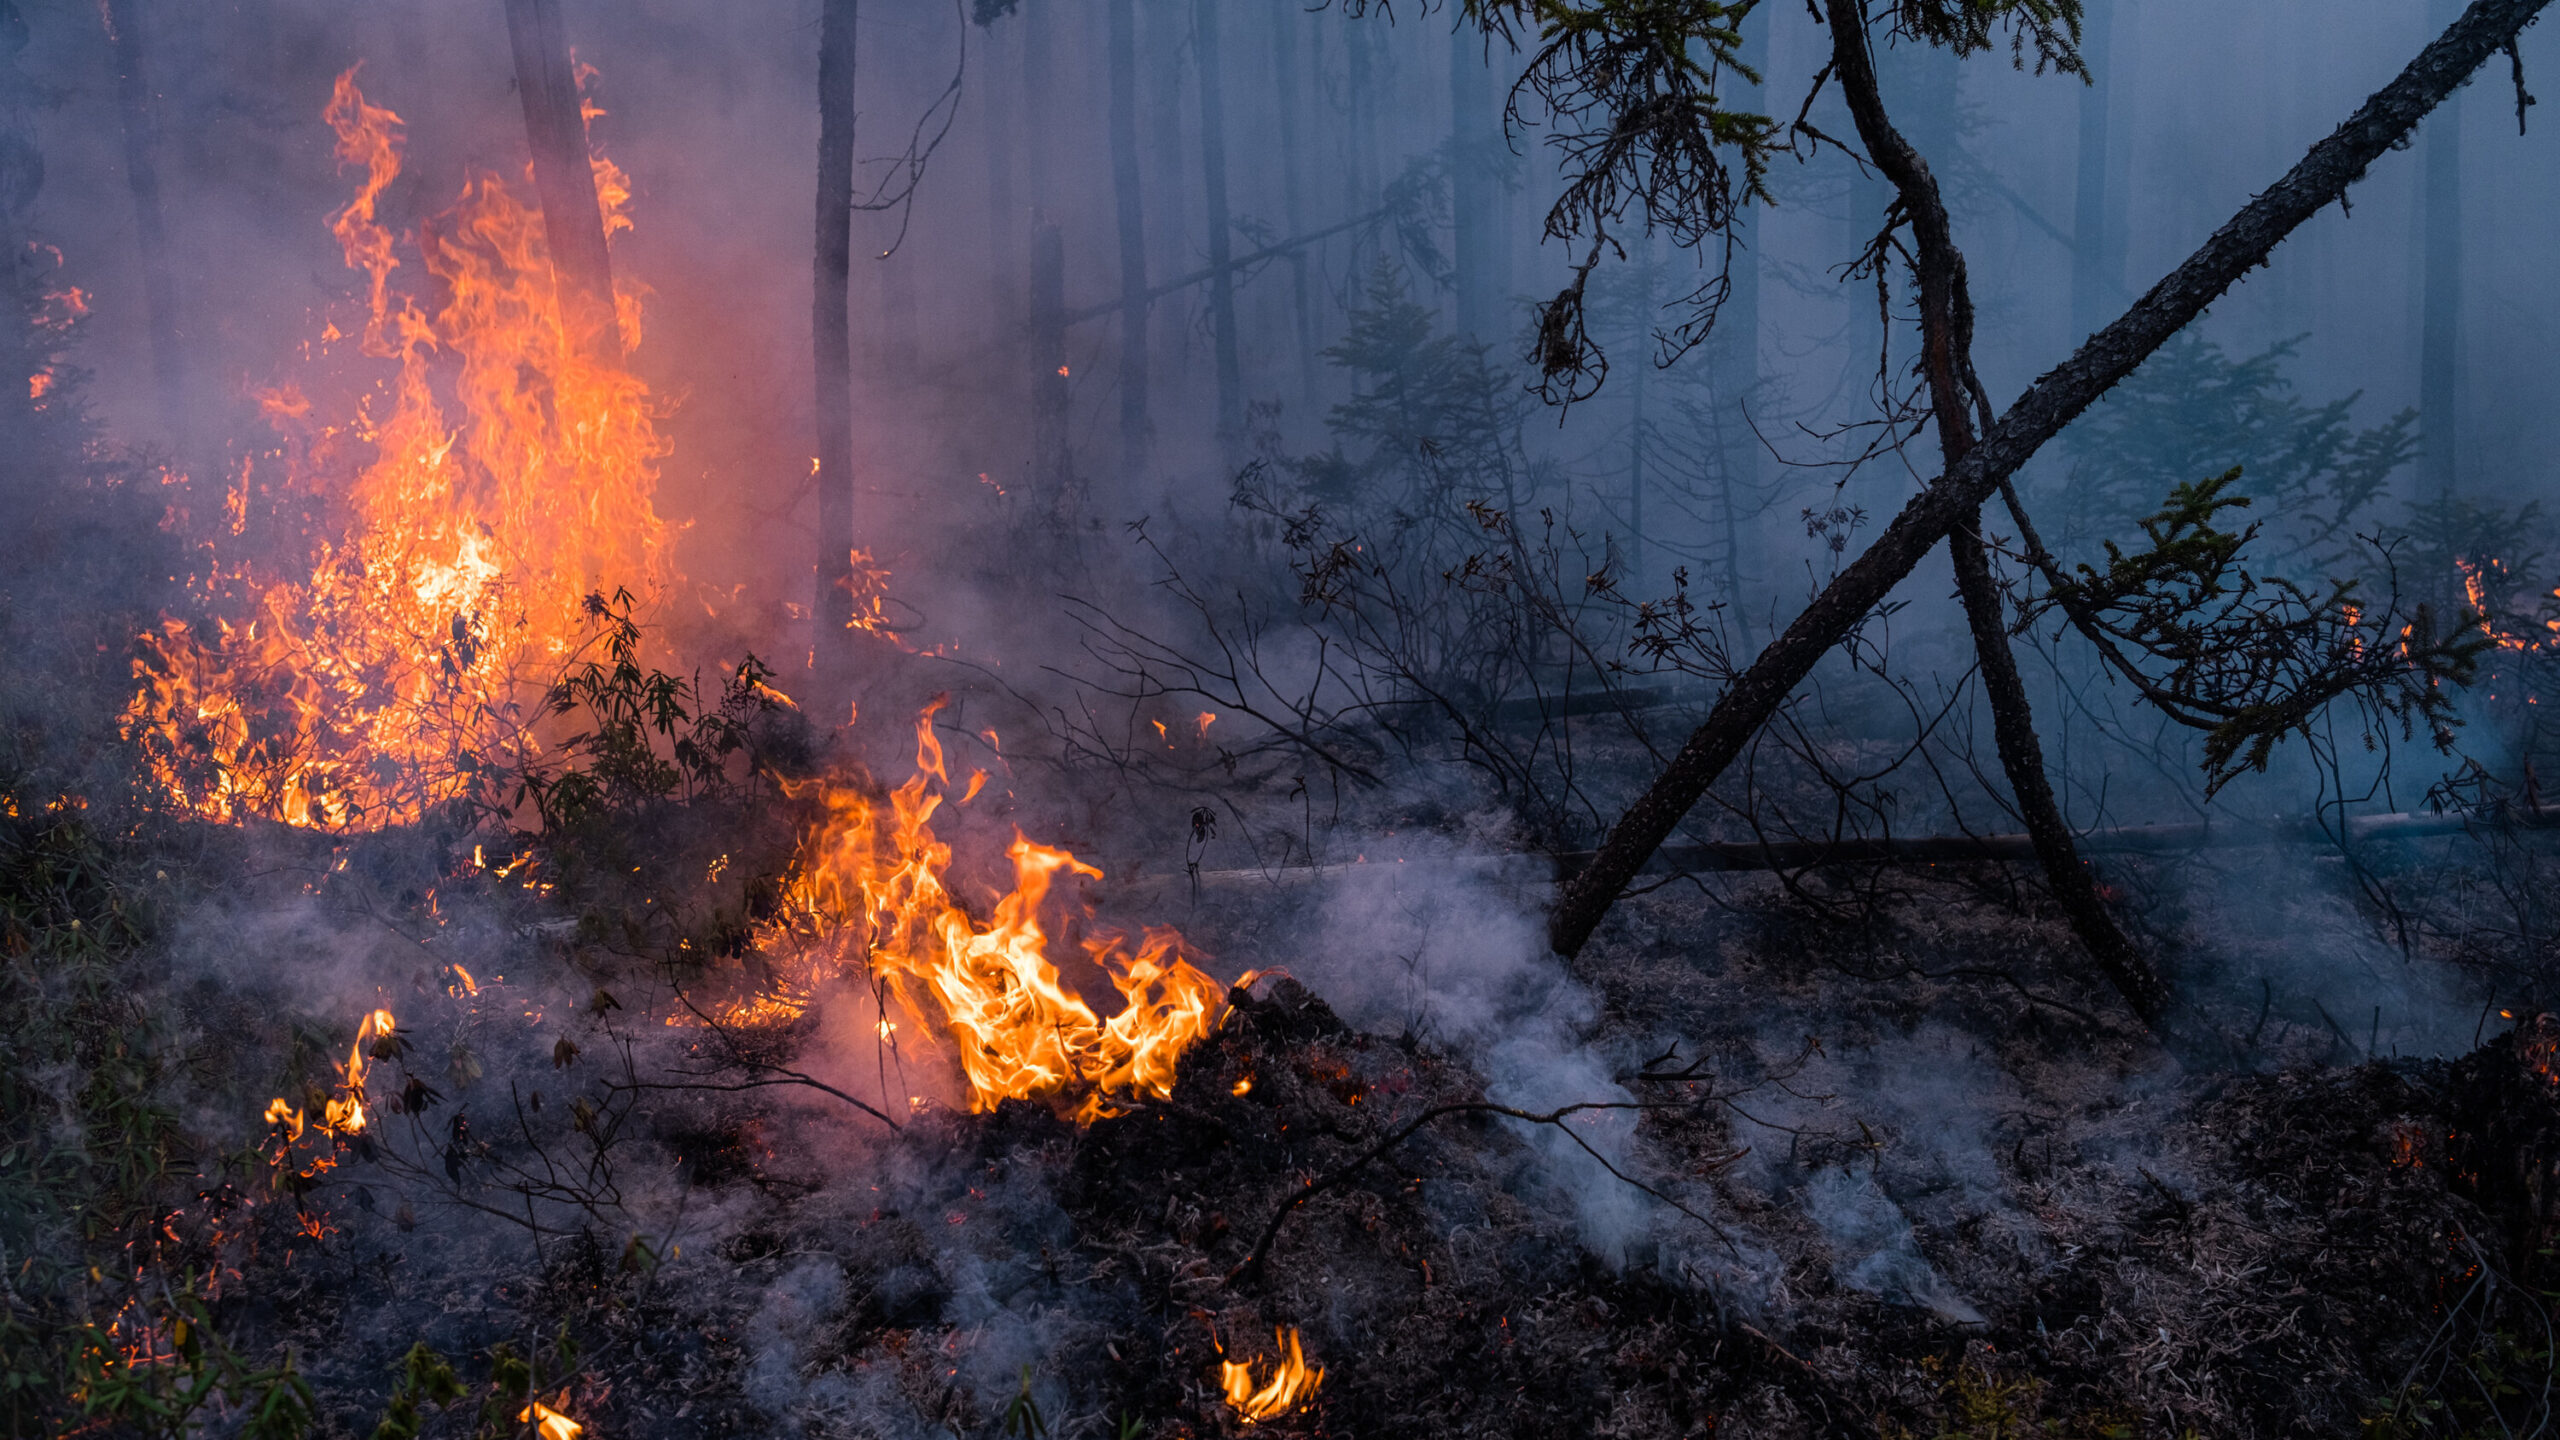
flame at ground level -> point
(867, 896)
(1291, 1384)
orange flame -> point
(469, 531)
(869, 883)
(549, 1422)
(1291, 1384)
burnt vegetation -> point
(1609, 998)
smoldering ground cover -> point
(1899, 1174)
(1829, 1148)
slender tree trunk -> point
(21, 177)
(2097, 270)
(564, 177)
(831, 355)
(2440, 315)
(1467, 178)
(1134, 429)
(1946, 344)
(2053, 401)
(1053, 468)
(125, 22)
(1168, 21)
(1360, 43)
(1222, 285)
(1635, 422)
(1286, 21)
(1736, 360)
(1004, 220)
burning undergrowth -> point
(409, 1135)
(467, 1026)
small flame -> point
(1291, 1384)
(549, 1422)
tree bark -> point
(831, 365)
(564, 177)
(1053, 471)
(2053, 401)
(1285, 24)
(1004, 217)
(1134, 428)
(2097, 259)
(1467, 181)
(1946, 326)
(124, 21)
(1222, 284)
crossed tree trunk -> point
(1976, 466)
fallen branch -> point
(1251, 1266)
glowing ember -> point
(868, 890)
(493, 481)
(1291, 1384)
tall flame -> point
(869, 885)
(493, 480)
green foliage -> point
(1427, 416)
(1633, 95)
(1022, 1420)
(2250, 659)
(423, 1378)
(2194, 409)
(640, 737)
(2489, 1371)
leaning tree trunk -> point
(124, 22)
(2056, 398)
(831, 356)
(564, 177)
(1946, 326)
(1222, 284)
(1125, 193)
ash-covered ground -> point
(1861, 1154)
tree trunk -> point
(1735, 357)
(1053, 471)
(125, 21)
(1004, 219)
(564, 177)
(1222, 284)
(1286, 22)
(2440, 314)
(1134, 429)
(21, 177)
(831, 365)
(2097, 259)
(2053, 401)
(1946, 345)
(1468, 181)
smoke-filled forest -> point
(1129, 719)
